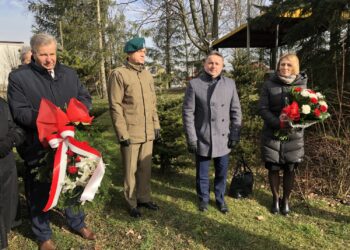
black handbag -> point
(242, 180)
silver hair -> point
(41, 39)
(24, 51)
(215, 53)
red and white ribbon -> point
(63, 141)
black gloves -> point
(192, 147)
(125, 143)
(156, 134)
(231, 143)
(6, 145)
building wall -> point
(9, 59)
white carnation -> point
(313, 96)
(319, 95)
(305, 109)
(305, 93)
(323, 103)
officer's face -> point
(138, 57)
(213, 65)
(45, 56)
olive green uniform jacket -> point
(132, 102)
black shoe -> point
(275, 208)
(134, 212)
(203, 206)
(285, 207)
(223, 208)
(150, 205)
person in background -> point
(281, 155)
(212, 120)
(132, 102)
(43, 77)
(10, 136)
(26, 55)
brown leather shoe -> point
(86, 233)
(47, 245)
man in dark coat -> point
(10, 136)
(43, 78)
(212, 120)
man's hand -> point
(5, 147)
(192, 147)
(125, 143)
(156, 134)
(231, 143)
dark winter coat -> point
(11, 135)
(27, 86)
(273, 98)
(212, 114)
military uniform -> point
(133, 110)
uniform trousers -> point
(137, 162)
(37, 194)
(202, 178)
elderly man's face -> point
(27, 57)
(137, 57)
(45, 56)
(213, 65)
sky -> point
(15, 21)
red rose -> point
(313, 100)
(70, 153)
(77, 159)
(317, 112)
(72, 169)
(311, 91)
(323, 108)
(297, 89)
(292, 111)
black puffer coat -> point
(273, 97)
(10, 135)
(27, 86)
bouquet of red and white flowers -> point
(75, 168)
(306, 108)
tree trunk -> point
(215, 28)
(102, 58)
(168, 41)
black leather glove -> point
(125, 143)
(192, 147)
(6, 145)
(157, 134)
(16, 135)
(231, 143)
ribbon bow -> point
(53, 131)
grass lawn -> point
(317, 223)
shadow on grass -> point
(190, 224)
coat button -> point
(222, 105)
(223, 134)
(223, 120)
(212, 120)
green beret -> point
(134, 44)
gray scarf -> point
(287, 79)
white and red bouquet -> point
(76, 168)
(306, 108)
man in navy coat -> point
(212, 120)
(43, 77)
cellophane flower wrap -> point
(307, 107)
(74, 167)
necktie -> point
(52, 73)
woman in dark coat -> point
(277, 154)
(10, 136)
